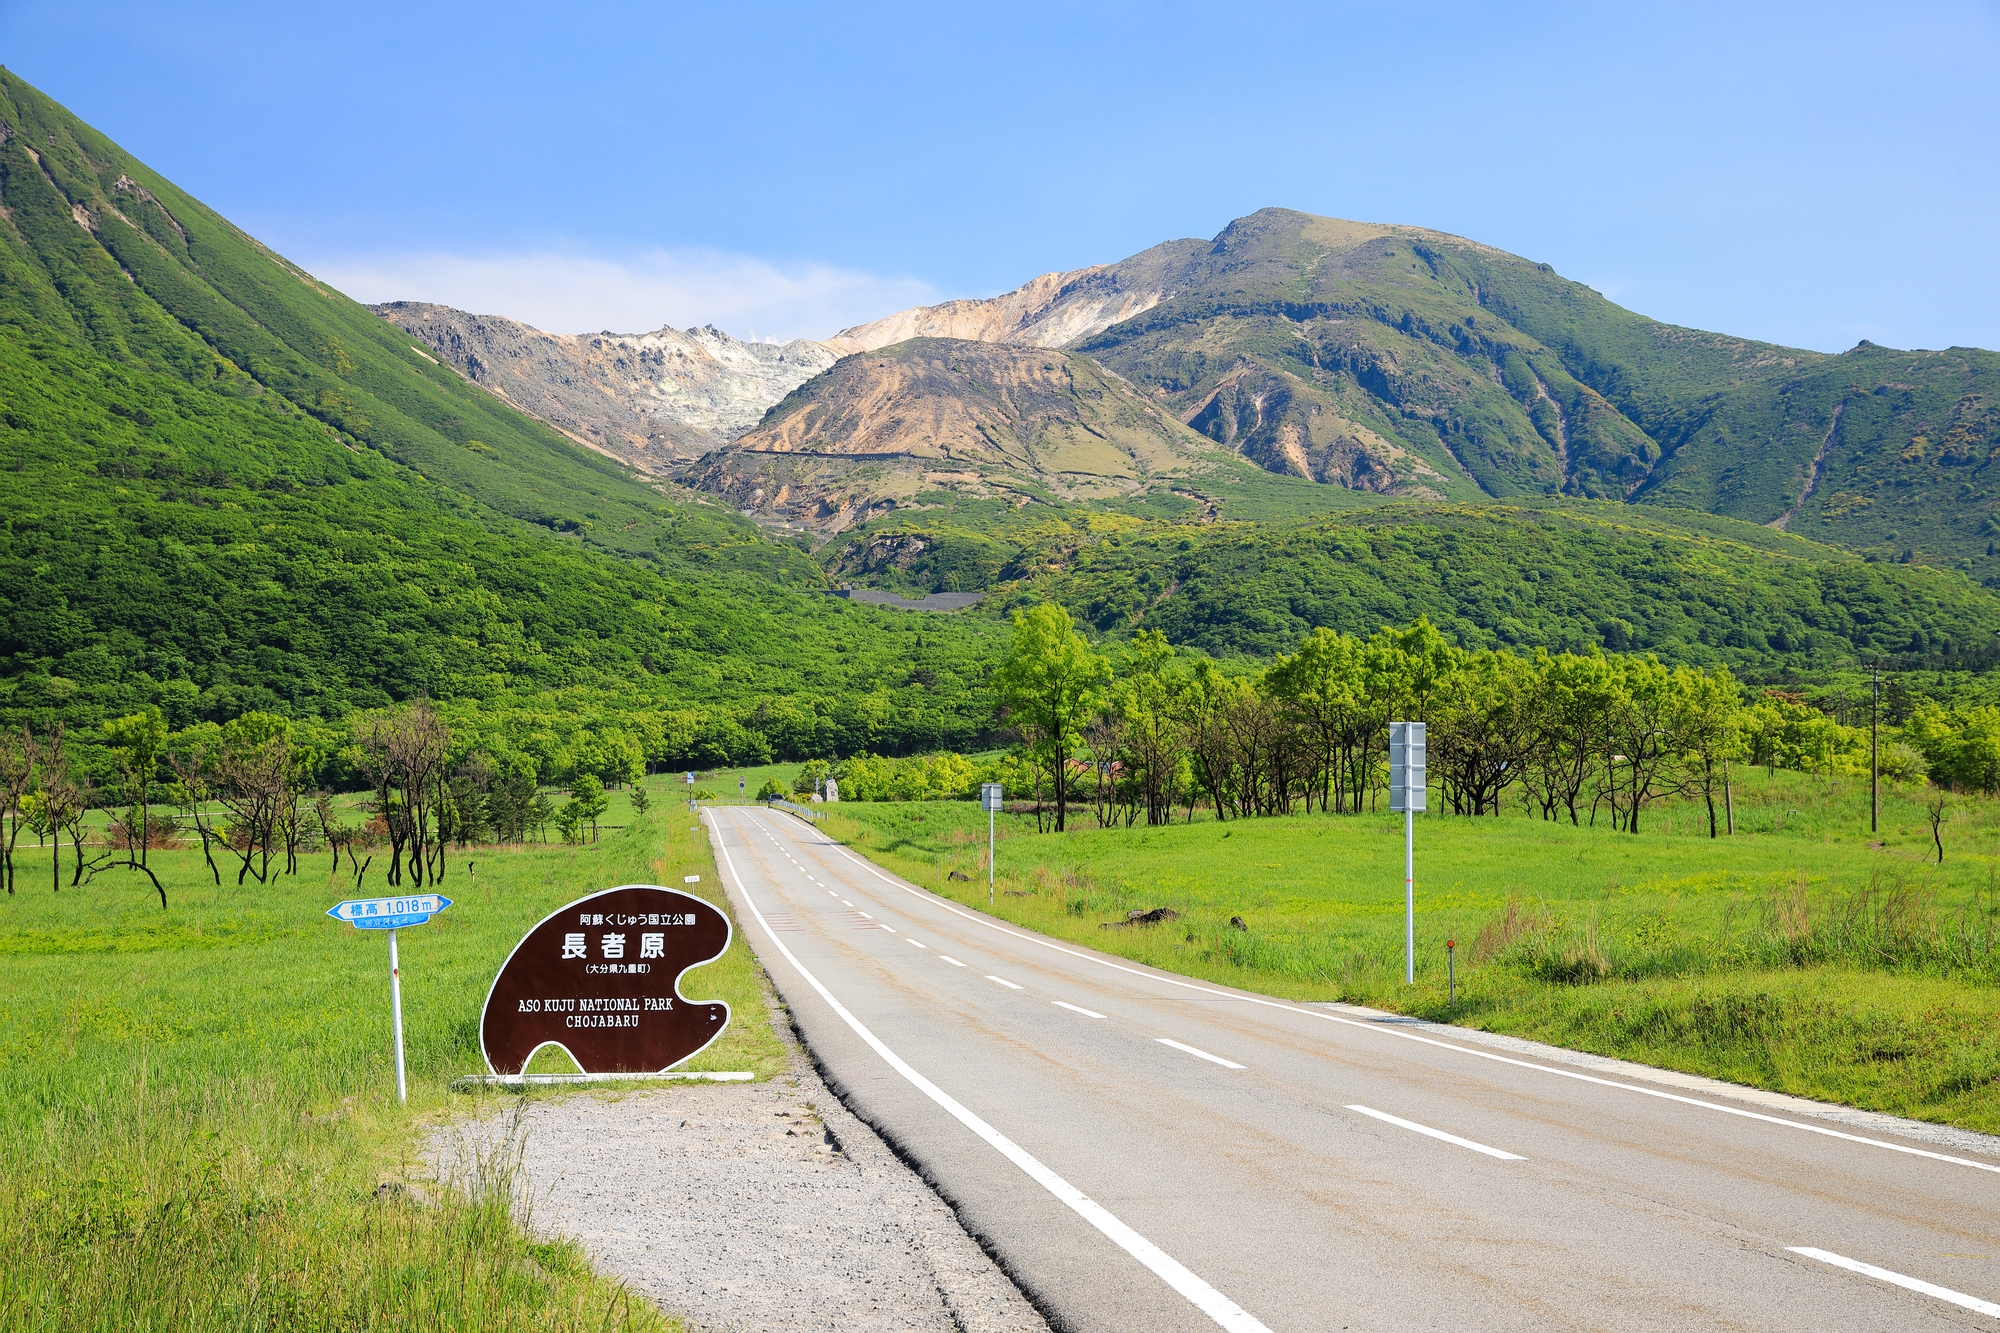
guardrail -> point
(814, 815)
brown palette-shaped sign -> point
(600, 977)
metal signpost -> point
(392, 914)
(989, 801)
(1406, 793)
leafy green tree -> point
(587, 794)
(640, 800)
(1708, 723)
(1961, 746)
(772, 790)
(1052, 684)
(138, 741)
(810, 775)
(1483, 728)
(541, 813)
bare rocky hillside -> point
(950, 415)
(654, 400)
(1053, 310)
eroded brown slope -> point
(944, 414)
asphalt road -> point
(1144, 1152)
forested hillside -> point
(1565, 575)
(228, 487)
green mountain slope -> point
(224, 489)
(96, 250)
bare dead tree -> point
(17, 773)
(193, 794)
(56, 793)
(403, 751)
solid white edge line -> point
(1387, 1031)
(1076, 1008)
(1191, 1050)
(1010, 985)
(949, 959)
(1438, 1134)
(1169, 1270)
(1884, 1275)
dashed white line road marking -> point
(1003, 981)
(1227, 1314)
(1076, 1009)
(890, 929)
(949, 959)
(1911, 1283)
(845, 903)
(918, 943)
(1416, 1128)
(1183, 1046)
(864, 914)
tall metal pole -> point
(989, 858)
(1874, 765)
(396, 1009)
(1409, 898)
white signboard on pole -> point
(990, 797)
(1406, 793)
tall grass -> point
(1800, 954)
(197, 1121)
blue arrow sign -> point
(389, 913)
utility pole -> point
(1406, 793)
(1874, 754)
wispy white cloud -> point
(566, 293)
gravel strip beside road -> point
(755, 1207)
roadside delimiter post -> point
(1406, 793)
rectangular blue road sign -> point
(389, 913)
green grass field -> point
(197, 1106)
(1791, 956)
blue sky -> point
(1809, 174)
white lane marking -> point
(1383, 1030)
(949, 959)
(1414, 1127)
(1884, 1275)
(1191, 1050)
(1225, 1312)
(864, 914)
(831, 894)
(1003, 981)
(845, 903)
(918, 943)
(1076, 1008)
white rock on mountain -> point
(1054, 310)
(654, 400)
